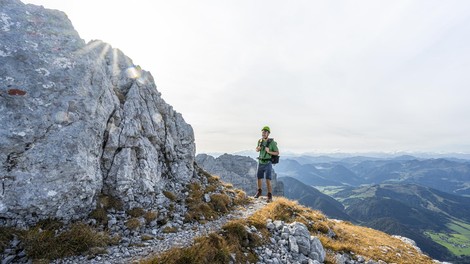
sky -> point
(326, 76)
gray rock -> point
(79, 120)
(298, 229)
(270, 226)
(293, 247)
(317, 247)
(304, 245)
(8, 259)
(278, 224)
(238, 170)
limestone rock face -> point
(78, 120)
(238, 170)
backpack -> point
(274, 158)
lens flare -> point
(134, 72)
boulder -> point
(79, 120)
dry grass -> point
(168, 229)
(104, 203)
(197, 208)
(150, 216)
(108, 202)
(222, 198)
(240, 197)
(290, 211)
(6, 234)
(220, 202)
(234, 238)
(214, 180)
(210, 249)
(170, 195)
(100, 215)
(136, 212)
(133, 223)
(227, 185)
(370, 243)
(211, 188)
(45, 244)
(240, 241)
(215, 248)
(146, 237)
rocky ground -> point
(127, 253)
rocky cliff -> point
(238, 170)
(79, 120)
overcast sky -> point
(326, 76)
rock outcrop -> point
(237, 170)
(291, 243)
(78, 120)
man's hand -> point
(258, 148)
(267, 150)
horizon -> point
(330, 77)
(376, 154)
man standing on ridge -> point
(266, 148)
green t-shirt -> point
(264, 157)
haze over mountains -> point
(448, 175)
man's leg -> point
(260, 176)
(269, 169)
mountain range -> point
(452, 176)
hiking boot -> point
(258, 194)
(270, 198)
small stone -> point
(293, 247)
(278, 224)
(270, 226)
(207, 198)
(285, 235)
(15, 242)
(22, 254)
(8, 259)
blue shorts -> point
(265, 169)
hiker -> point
(266, 148)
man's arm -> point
(272, 152)
(258, 148)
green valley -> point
(458, 241)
